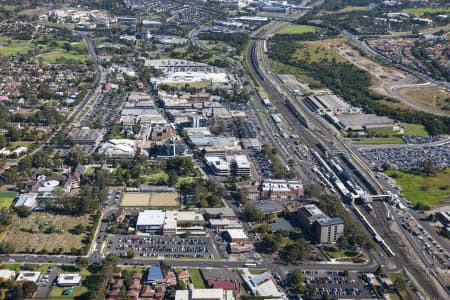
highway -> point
(317, 132)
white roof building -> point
(69, 280)
(6, 274)
(27, 200)
(19, 151)
(151, 218)
(28, 276)
(204, 294)
(237, 235)
(118, 148)
(48, 186)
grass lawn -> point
(428, 96)
(90, 170)
(14, 145)
(415, 129)
(262, 116)
(156, 177)
(315, 51)
(6, 198)
(420, 11)
(57, 292)
(55, 57)
(29, 233)
(296, 29)
(197, 279)
(13, 50)
(432, 191)
(256, 271)
(342, 253)
(380, 141)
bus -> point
(250, 265)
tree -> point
(252, 213)
(82, 262)
(79, 229)
(23, 211)
(428, 168)
(296, 252)
(130, 254)
(399, 283)
(7, 247)
(296, 281)
(173, 178)
(379, 270)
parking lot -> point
(261, 163)
(163, 246)
(335, 284)
(408, 158)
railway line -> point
(313, 133)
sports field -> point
(149, 200)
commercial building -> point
(218, 166)
(29, 276)
(237, 165)
(224, 224)
(68, 280)
(325, 229)
(151, 221)
(329, 230)
(237, 236)
(6, 274)
(154, 275)
(308, 214)
(204, 294)
(220, 213)
(282, 189)
(226, 284)
(120, 148)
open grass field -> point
(149, 200)
(197, 279)
(415, 129)
(431, 191)
(56, 293)
(420, 11)
(29, 233)
(55, 57)
(315, 51)
(11, 50)
(428, 96)
(380, 141)
(296, 29)
(6, 198)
